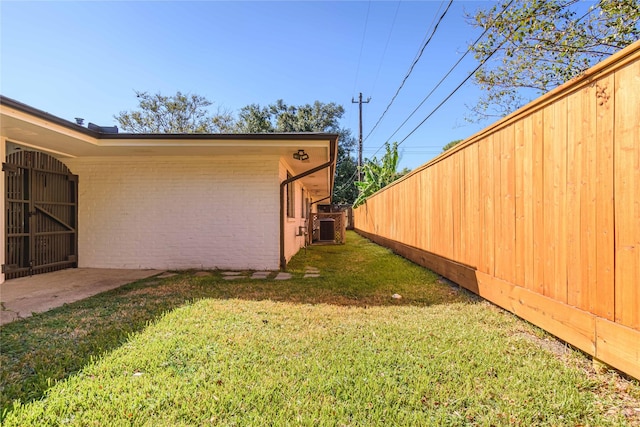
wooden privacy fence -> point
(539, 213)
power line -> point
(458, 87)
(426, 34)
(484, 61)
(404, 80)
(444, 78)
(386, 46)
(364, 34)
(350, 181)
(446, 98)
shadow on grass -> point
(39, 351)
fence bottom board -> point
(612, 343)
(570, 324)
(618, 346)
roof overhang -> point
(32, 128)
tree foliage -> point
(540, 44)
(280, 117)
(179, 113)
(377, 174)
(316, 117)
(451, 144)
(344, 189)
(254, 119)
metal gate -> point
(41, 214)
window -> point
(303, 207)
(291, 198)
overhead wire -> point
(443, 78)
(424, 43)
(386, 46)
(484, 61)
(429, 28)
(364, 35)
(413, 64)
(351, 179)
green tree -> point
(316, 117)
(179, 113)
(280, 117)
(344, 189)
(254, 119)
(377, 174)
(451, 144)
(540, 44)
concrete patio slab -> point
(22, 297)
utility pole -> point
(360, 102)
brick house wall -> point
(179, 212)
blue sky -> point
(86, 59)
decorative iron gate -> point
(41, 214)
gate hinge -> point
(4, 268)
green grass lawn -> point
(334, 350)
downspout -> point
(283, 185)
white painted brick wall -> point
(178, 212)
